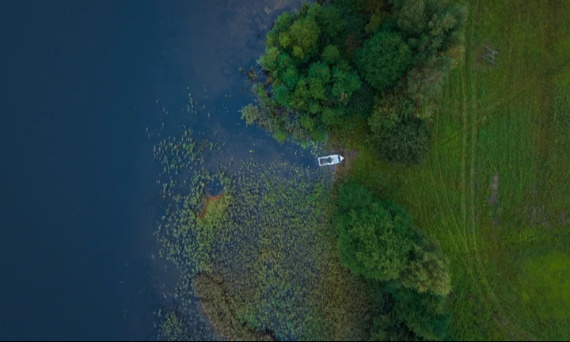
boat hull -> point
(332, 159)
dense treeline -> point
(334, 63)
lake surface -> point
(82, 80)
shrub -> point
(405, 142)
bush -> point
(405, 142)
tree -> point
(375, 238)
(303, 35)
(383, 59)
(410, 17)
(330, 54)
(425, 314)
(346, 82)
(428, 270)
(326, 62)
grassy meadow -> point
(495, 188)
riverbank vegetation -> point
(474, 152)
(331, 68)
(261, 258)
(364, 74)
(451, 222)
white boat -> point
(330, 160)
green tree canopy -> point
(428, 270)
(411, 316)
(375, 238)
(425, 314)
(383, 59)
(325, 63)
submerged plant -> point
(265, 237)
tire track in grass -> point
(444, 193)
(436, 187)
(469, 117)
(470, 101)
(461, 228)
(464, 143)
(469, 126)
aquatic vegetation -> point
(173, 327)
(221, 310)
(266, 239)
(271, 248)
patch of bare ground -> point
(349, 158)
(209, 200)
(493, 200)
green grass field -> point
(495, 188)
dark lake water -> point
(81, 82)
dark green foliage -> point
(383, 59)
(329, 19)
(433, 29)
(330, 54)
(362, 101)
(353, 196)
(375, 238)
(402, 314)
(428, 270)
(334, 116)
(406, 315)
(308, 74)
(425, 314)
(410, 19)
(355, 17)
(346, 82)
(291, 77)
(320, 71)
(301, 38)
(435, 25)
(424, 82)
(402, 50)
(282, 94)
(405, 142)
(390, 110)
(386, 328)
